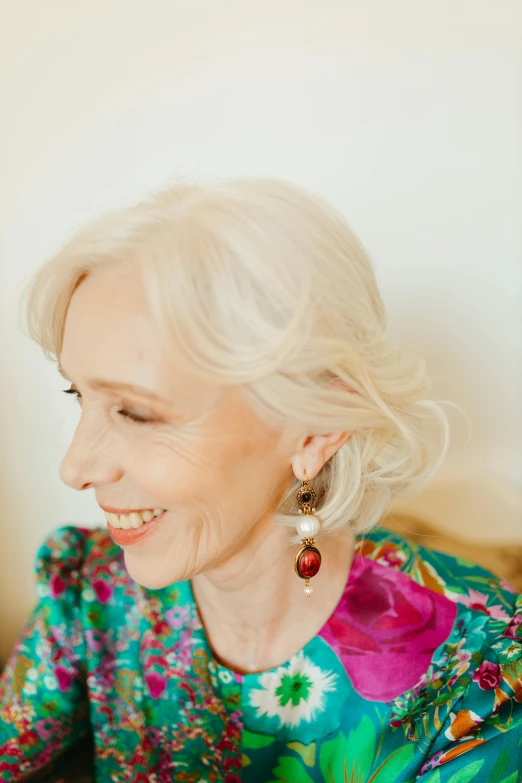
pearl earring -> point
(308, 559)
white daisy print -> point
(50, 682)
(293, 693)
(88, 594)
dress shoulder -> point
(470, 695)
(68, 557)
(461, 580)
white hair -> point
(265, 286)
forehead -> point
(108, 315)
(110, 333)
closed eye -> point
(130, 417)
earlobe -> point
(298, 466)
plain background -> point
(406, 115)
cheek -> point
(251, 474)
(224, 467)
(171, 471)
(215, 488)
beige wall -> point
(407, 115)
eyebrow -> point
(103, 385)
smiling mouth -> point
(127, 536)
(134, 520)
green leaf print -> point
(500, 768)
(477, 657)
(511, 671)
(290, 770)
(466, 563)
(511, 779)
(434, 777)
(349, 758)
(393, 765)
(252, 740)
(307, 752)
(468, 773)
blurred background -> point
(407, 116)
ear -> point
(314, 451)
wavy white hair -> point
(265, 286)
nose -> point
(90, 460)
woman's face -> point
(201, 454)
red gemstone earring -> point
(308, 559)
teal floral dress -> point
(416, 676)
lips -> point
(133, 535)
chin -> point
(148, 574)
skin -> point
(206, 457)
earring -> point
(308, 559)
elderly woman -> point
(245, 423)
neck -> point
(253, 606)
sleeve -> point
(481, 736)
(44, 707)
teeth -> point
(133, 520)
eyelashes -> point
(130, 417)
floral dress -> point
(416, 676)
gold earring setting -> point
(308, 559)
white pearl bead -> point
(307, 526)
(308, 591)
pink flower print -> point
(386, 629)
(161, 628)
(46, 728)
(511, 631)
(56, 586)
(184, 649)
(432, 762)
(95, 639)
(506, 586)
(14, 752)
(156, 684)
(155, 735)
(103, 590)
(64, 678)
(488, 676)
(476, 600)
(177, 617)
(497, 612)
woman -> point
(245, 422)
